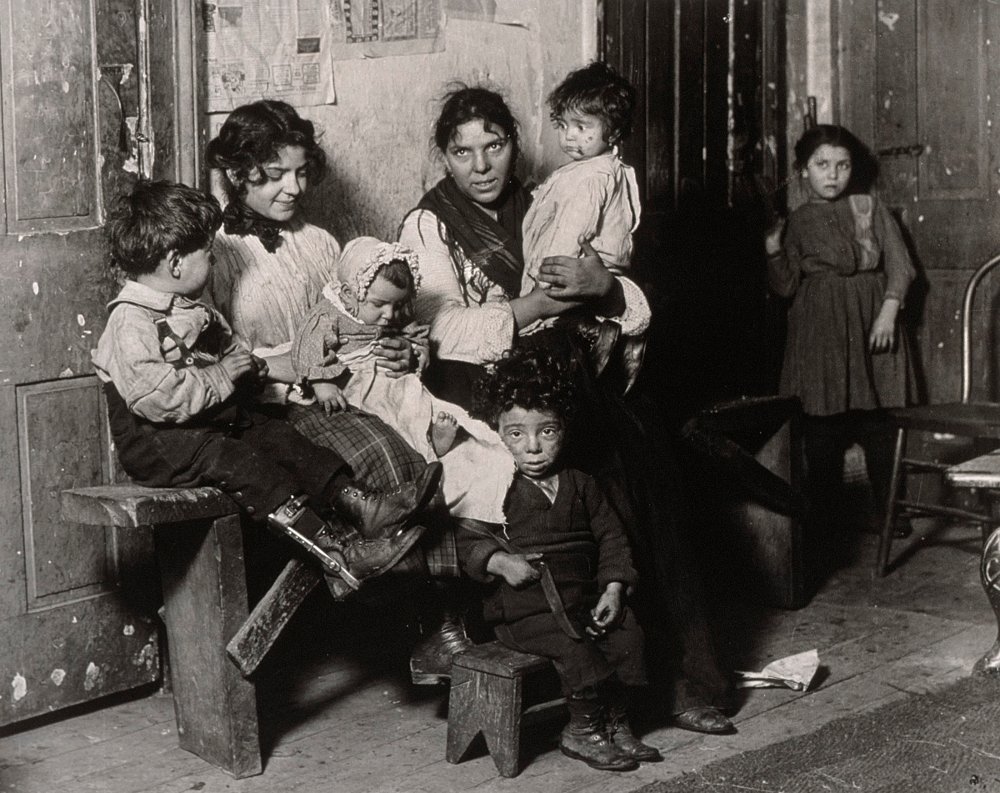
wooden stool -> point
(487, 688)
(199, 550)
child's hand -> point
(238, 364)
(262, 370)
(608, 610)
(516, 569)
(330, 397)
(883, 333)
(772, 242)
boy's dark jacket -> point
(581, 537)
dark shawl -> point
(493, 246)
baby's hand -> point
(330, 397)
(516, 569)
(238, 364)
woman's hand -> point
(576, 278)
(883, 333)
(608, 611)
(330, 397)
(395, 356)
(516, 569)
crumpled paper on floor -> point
(794, 671)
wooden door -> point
(709, 150)
(916, 79)
(77, 608)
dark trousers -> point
(255, 457)
(581, 662)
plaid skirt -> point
(381, 459)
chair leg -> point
(885, 541)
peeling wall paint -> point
(19, 686)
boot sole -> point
(429, 678)
(629, 765)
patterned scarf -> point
(493, 246)
(239, 219)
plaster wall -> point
(378, 133)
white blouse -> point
(476, 325)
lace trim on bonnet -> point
(362, 258)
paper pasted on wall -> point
(377, 28)
(279, 49)
(519, 13)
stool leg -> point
(885, 541)
(205, 602)
(487, 704)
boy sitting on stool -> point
(180, 392)
(563, 564)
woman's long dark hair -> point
(462, 104)
(252, 136)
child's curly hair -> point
(529, 378)
(597, 90)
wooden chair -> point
(974, 420)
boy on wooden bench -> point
(564, 564)
(179, 389)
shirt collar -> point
(147, 297)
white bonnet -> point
(363, 257)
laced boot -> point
(384, 514)
(620, 729)
(444, 637)
(585, 738)
(339, 548)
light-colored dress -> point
(264, 296)
(470, 317)
(597, 197)
(478, 470)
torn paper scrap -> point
(795, 672)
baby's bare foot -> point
(444, 428)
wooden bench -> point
(487, 698)
(199, 550)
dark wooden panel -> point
(48, 101)
(634, 67)
(690, 88)
(717, 63)
(952, 99)
(858, 21)
(63, 445)
(896, 98)
(659, 135)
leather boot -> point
(585, 738)
(620, 729)
(338, 547)
(377, 514)
(444, 636)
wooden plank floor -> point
(350, 722)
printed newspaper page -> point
(376, 28)
(275, 49)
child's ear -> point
(174, 260)
(349, 298)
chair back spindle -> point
(970, 291)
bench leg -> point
(487, 704)
(205, 602)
